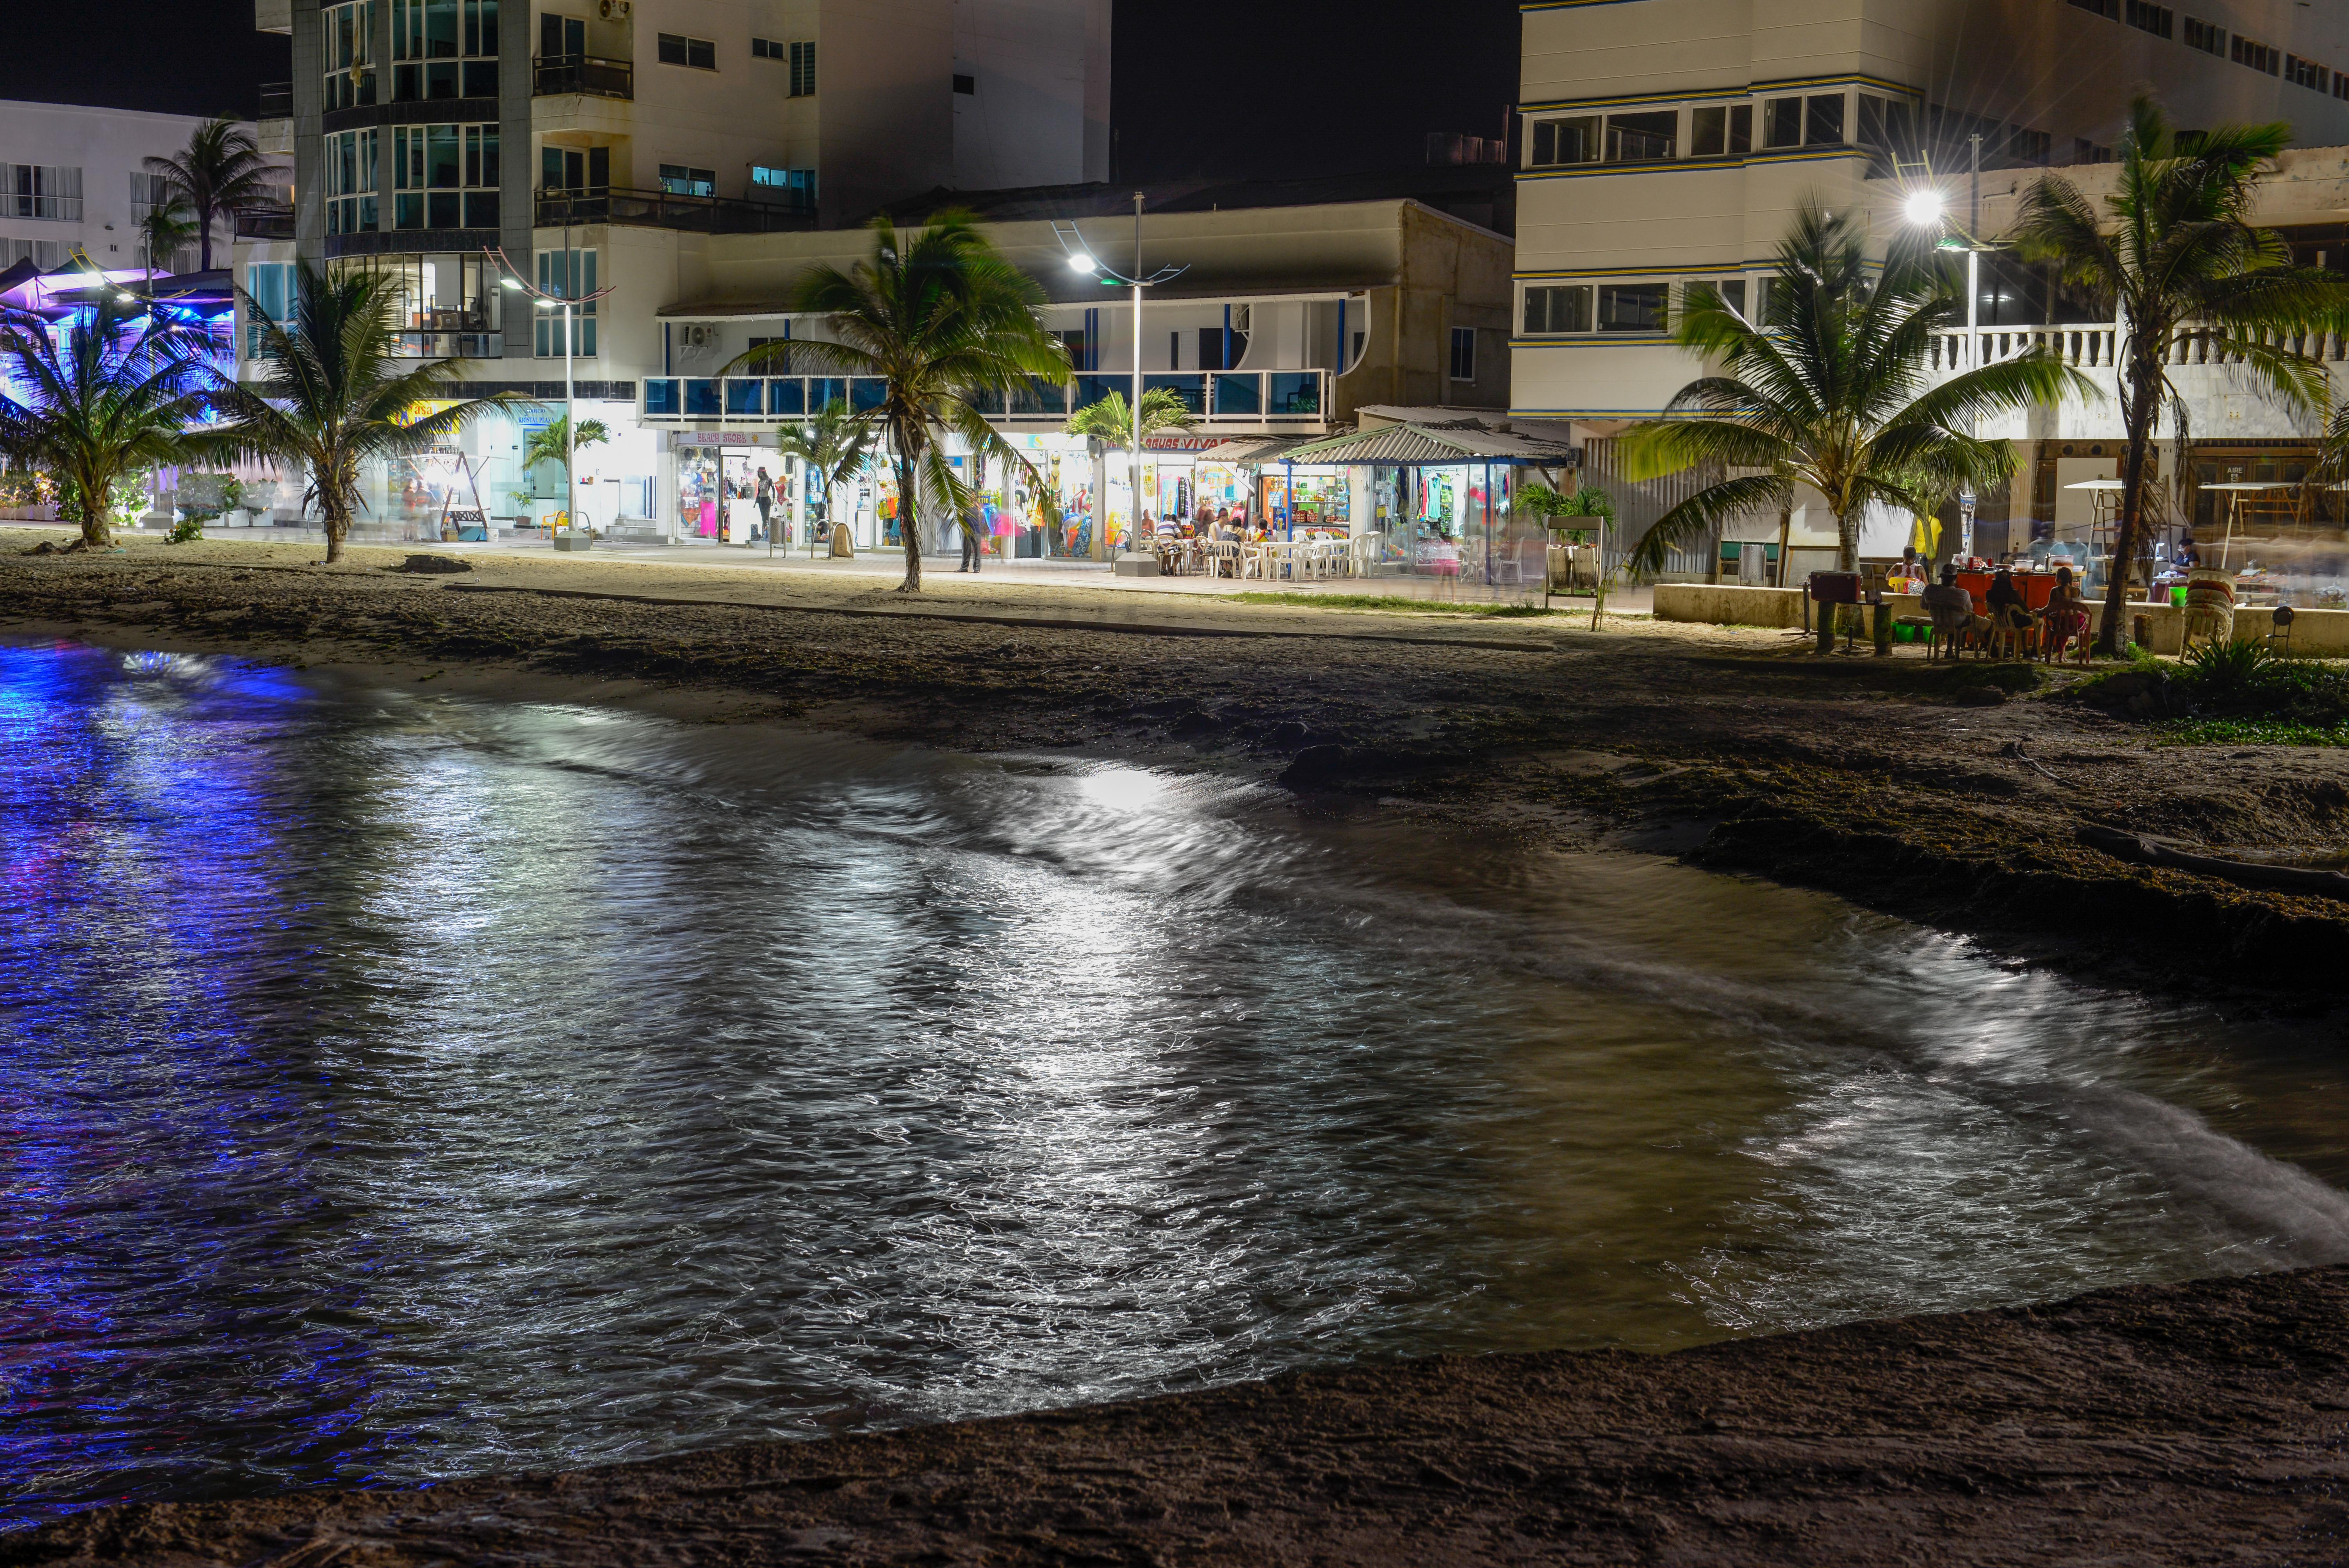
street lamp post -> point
(1928, 208)
(568, 302)
(1082, 258)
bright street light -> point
(546, 304)
(513, 283)
(1926, 208)
(1082, 263)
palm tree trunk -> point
(2139, 414)
(1846, 543)
(96, 514)
(339, 527)
(1785, 527)
(204, 236)
(909, 535)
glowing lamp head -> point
(513, 283)
(546, 304)
(1082, 263)
(1926, 208)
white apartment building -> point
(74, 180)
(578, 141)
(1671, 142)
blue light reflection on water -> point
(399, 1086)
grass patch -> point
(1394, 602)
(2249, 732)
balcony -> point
(666, 209)
(551, 76)
(437, 345)
(276, 101)
(1223, 400)
(265, 223)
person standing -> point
(971, 554)
(764, 494)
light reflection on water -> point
(400, 1086)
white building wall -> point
(106, 146)
(1032, 66)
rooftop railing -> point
(1256, 399)
(667, 209)
(554, 75)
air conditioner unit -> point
(700, 334)
(616, 10)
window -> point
(47, 254)
(2205, 36)
(1463, 354)
(350, 158)
(1723, 132)
(2101, 7)
(1634, 307)
(444, 177)
(766, 49)
(678, 181)
(40, 190)
(1558, 309)
(577, 171)
(1733, 293)
(148, 190)
(2087, 151)
(2158, 20)
(966, 86)
(348, 33)
(1642, 137)
(2340, 85)
(2307, 74)
(566, 274)
(1782, 122)
(438, 50)
(1823, 120)
(1566, 140)
(679, 50)
(2034, 147)
(271, 285)
(2257, 56)
(1887, 127)
(792, 188)
(803, 69)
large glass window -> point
(1722, 130)
(351, 186)
(792, 188)
(569, 274)
(680, 180)
(1782, 122)
(1634, 307)
(1566, 309)
(1642, 137)
(445, 177)
(41, 190)
(1572, 140)
(348, 33)
(270, 286)
(444, 48)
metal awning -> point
(1417, 446)
(1252, 449)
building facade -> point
(1671, 142)
(74, 181)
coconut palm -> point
(552, 443)
(835, 444)
(220, 171)
(330, 396)
(1829, 390)
(1112, 422)
(112, 394)
(166, 227)
(948, 323)
(2175, 248)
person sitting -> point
(2065, 617)
(2009, 616)
(2187, 556)
(1951, 608)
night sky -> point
(1225, 88)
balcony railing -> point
(553, 75)
(2094, 346)
(667, 209)
(452, 346)
(1258, 398)
(276, 100)
(265, 224)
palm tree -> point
(947, 322)
(331, 397)
(1828, 390)
(2175, 248)
(166, 226)
(835, 443)
(112, 394)
(220, 171)
(1113, 421)
(552, 443)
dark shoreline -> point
(2200, 1422)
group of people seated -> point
(1220, 523)
(2009, 623)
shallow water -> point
(400, 1086)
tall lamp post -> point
(568, 302)
(1082, 258)
(1928, 208)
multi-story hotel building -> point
(1671, 142)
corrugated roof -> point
(1252, 448)
(1416, 445)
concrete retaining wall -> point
(1729, 605)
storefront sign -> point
(712, 438)
(1181, 443)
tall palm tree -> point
(220, 171)
(166, 227)
(2175, 248)
(835, 444)
(1113, 421)
(552, 443)
(1829, 389)
(946, 321)
(331, 396)
(113, 393)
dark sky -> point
(1225, 88)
